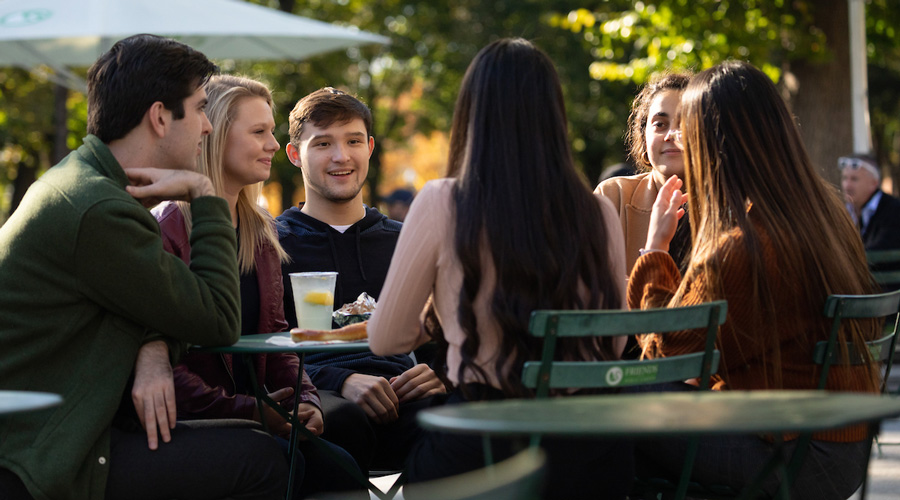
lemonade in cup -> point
(314, 299)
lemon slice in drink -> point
(319, 298)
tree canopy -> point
(604, 51)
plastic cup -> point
(314, 299)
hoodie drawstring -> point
(359, 261)
(337, 263)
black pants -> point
(316, 471)
(212, 460)
(830, 471)
(374, 446)
(576, 467)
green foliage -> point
(412, 83)
(603, 51)
(27, 129)
(882, 31)
(632, 41)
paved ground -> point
(884, 470)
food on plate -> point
(355, 331)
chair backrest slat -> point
(606, 323)
(603, 374)
(885, 267)
(883, 256)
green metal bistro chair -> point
(885, 267)
(827, 354)
(549, 374)
(838, 307)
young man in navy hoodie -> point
(369, 401)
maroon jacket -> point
(204, 383)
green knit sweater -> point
(84, 283)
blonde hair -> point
(256, 228)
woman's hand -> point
(667, 210)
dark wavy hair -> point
(519, 197)
(136, 72)
(640, 109)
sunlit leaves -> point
(633, 41)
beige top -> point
(633, 197)
(425, 262)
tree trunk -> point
(374, 176)
(286, 6)
(287, 189)
(60, 124)
(25, 176)
(821, 99)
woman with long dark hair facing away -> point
(772, 238)
(654, 151)
(237, 157)
(513, 229)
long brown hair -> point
(748, 172)
(519, 198)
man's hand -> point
(153, 392)
(416, 383)
(312, 418)
(151, 186)
(276, 423)
(374, 395)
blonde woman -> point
(237, 157)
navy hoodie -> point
(361, 256)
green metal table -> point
(648, 415)
(264, 343)
(24, 401)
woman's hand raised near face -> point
(667, 210)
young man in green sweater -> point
(89, 298)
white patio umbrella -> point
(73, 33)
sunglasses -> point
(856, 164)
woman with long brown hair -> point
(772, 238)
(513, 229)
